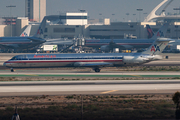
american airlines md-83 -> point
(92, 60)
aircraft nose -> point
(6, 64)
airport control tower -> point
(35, 10)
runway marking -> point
(108, 91)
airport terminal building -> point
(105, 30)
(76, 24)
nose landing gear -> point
(12, 70)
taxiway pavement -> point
(89, 87)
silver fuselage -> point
(78, 60)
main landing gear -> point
(96, 69)
(12, 70)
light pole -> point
(134, 17)
(127, 16)
(144, 15)
(176, 22)
(100, 17)
(11, 6)
(113, 17)
(39, 10)
(82, 17)
(139, 9)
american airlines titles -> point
(44, 56)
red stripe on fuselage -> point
(41, 61)
(119, 44)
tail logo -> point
(155, 48)
(24, 34)
(40, 31)
(150, 33)
(160, 34)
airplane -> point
(24, 41)
(108, 44)
(92, 60)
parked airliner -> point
(24, 42)
(108, 44)
(93, 60)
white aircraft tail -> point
(40, 31)
(158, 46)
(26, 32)
(161, 32)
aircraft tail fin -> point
(158, 46)
(40, 31)
(26, 32)
(161, 32)
(149, 31)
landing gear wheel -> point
(12, 70)
(97, 70)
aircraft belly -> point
(48, 64)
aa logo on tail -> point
(40, 31)
(24, 34)
(160, 34)
(155, 48)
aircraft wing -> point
(92, 64)
(9, 45)
(36, 39)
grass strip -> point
(40, 75)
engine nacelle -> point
(134, 59)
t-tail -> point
(160, 33)
(40, 31)
(158, 46)
(26, 32)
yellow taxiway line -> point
(108, 91)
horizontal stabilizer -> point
(164, 40)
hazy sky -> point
(93, 7)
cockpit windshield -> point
(19, 57)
